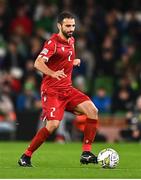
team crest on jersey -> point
(63, 49)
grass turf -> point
(62, 161)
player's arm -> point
(43, 58)
(40, 64)
(76, 62)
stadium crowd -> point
(108, 41)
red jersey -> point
(59, 54)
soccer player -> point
(56, 61)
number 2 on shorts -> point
(52, 112)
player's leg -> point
(37, 141)
(89, 109)
(41, 136)
(81, 104)
(62, 133)
(53, 112)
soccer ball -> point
(108, 158)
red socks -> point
(39, 138)
(43, 134)
(89, 134)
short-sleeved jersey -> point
(59, 54)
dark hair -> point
(64, 15)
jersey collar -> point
(69, 41)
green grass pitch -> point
(62, 161)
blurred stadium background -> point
(108, 42)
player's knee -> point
(56, 125)
(95, 110)
(94, 113)
(52, 125)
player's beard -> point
(67, 34)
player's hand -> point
(59, 74)
(76, 62)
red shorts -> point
(55, 101)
